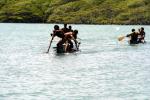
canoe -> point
(61, 49)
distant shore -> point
(101, 12)
(80, 23)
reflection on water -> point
(103, 69)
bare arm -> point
(128, 35)
(76, 42)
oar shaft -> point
(49, 45)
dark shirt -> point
(65, 30)
(59, 34)
(134, 38)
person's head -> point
(133, 30)
(70, 27)
(75, 32)
(56, 27)
(142, 28)
(65, 25)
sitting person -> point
(141, 35)
(56, 32)
(65, 29)
(70, 29)
(69, 36)
(133, 36)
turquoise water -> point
(103, 69)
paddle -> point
(50, 45)
(121, 38)
(79, 44)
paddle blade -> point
(121, 38)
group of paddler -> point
(68, 38)
(135, 37)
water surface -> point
(103, 69)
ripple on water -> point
(104, 69)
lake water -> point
(103, 69)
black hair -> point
(133, 30)
(142, 28)
(65, 25)
(56, 27)
(70, 27)
(75, 31)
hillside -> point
(76, 11)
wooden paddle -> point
(50, 45)
(121, 38)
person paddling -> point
(57, 32)
(142, 35)
(69, 36)
(133, 36)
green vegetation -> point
(76, 11)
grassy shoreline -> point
(97, 12)
(77, 24)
